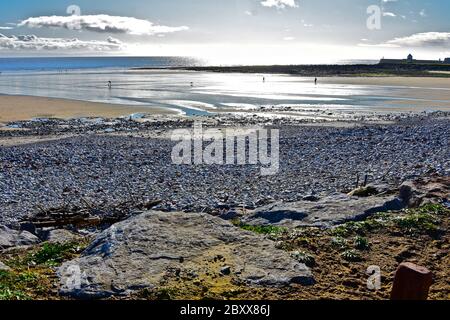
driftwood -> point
(89, 216)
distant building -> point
(410, 60)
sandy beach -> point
(15, 108)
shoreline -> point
(111, 173)
(372, 70)
(20, 108)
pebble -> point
(110, 169)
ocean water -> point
(63, 64)
(190, 93)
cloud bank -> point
(101, 23)
(280, 4)
(425, 39)
(34, 43)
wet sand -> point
(428, 93)
(14, 108)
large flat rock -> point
(326, 212)
(137, 253)
(14, 238)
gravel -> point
(110, 169)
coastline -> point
(112, 173)
(372, 70)
(17, 108)
(427, 94)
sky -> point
(228, 31)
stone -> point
(4, 267)
(425, 190)
(14, 238)
(226, 271)
(137, 253)
(230, 215)
(411, 282)
(326, 212)
(62, 236)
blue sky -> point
(233, 29)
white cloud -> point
(423, 13)
(34, 43)
(418, 40)
(389, 14)
(101, 23)
(280, 4)
(6, 28)
(425, 39)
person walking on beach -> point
(315, 81)
(109, 84)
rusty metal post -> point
(411, 282)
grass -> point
(32, 274)
(423, 220)
(23, 285)
(266, 230)
(52, 254)
(304, 257)
(339, 243)
(351, 256)
(361, 243)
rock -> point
(62, 236)
(426, 190)
(411, 282)
(13, 238)
(230, 215)
(136, 253)
(226, 271)
(4, 267)
(328, 211)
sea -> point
(186, 92)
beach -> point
(14, 108)
(98, 179)
(353, 181)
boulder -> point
(425, 190)
(138, 253)
(326, 212)
(14, 238)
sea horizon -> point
(55, 63)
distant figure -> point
(315, 81)
(109, 84)
(264, 79)
(192, 84)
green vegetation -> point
(32, 273)
(423, 220)
(52, 254)
(304, 257)
(268, 230)
(361, 243)
(351, 255)
(339, 243)
(22, 285)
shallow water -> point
(199, 93)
